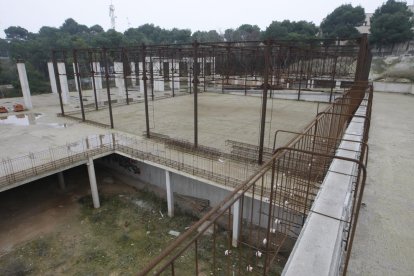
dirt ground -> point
(47, 231)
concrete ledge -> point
(319, 248)
(394, 87)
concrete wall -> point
(393, 87)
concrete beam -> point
(92, 182)
(319, 249)
(170, 194)
(24, 83)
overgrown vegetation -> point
(119, 238)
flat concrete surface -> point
(220, 117)
(384, 240)
(39, 128)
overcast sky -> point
(190, 14)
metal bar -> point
(144, 78)
(108, 89)
(264, 101)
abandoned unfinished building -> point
(270, 135)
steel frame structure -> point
(265, 67)
(271, 206)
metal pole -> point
(195, 81)
(125, 66)
(144, 78)
(93, 79)
(264, 100)
(75, 60)
(108, 90)
(59, 89)
(172, 75)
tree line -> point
(391, 23)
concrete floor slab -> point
(384, 243)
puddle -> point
(27, 120)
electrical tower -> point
(112, 15)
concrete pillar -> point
(98, 80)
(52, 78)
(159, 85)
(170, 194)
(63, 82)
(236, 222)
(92, 182)
(119, 78)
(24, 83)
(74, 76)
(338, 84)
(141, 86)
(132, 76)
(61, 180)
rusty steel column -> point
(144, 78)
(125, 65)
(77, 75)
(195, 81)
(93, 79)
(264, 99)
(59, 89)
(108, 90)
(362, 59)
(152, 77)
(172, 75)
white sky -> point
(190, 14)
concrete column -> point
(61, 180)
(141, 86)
(338, 84)
(98, 80)
(74, 76)
(52, 79)
(119, 78)
(159, 85)
(133, 77)
(24, 83)
(92, 182)
(63, 82)
(170, 194)
(236, 222)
